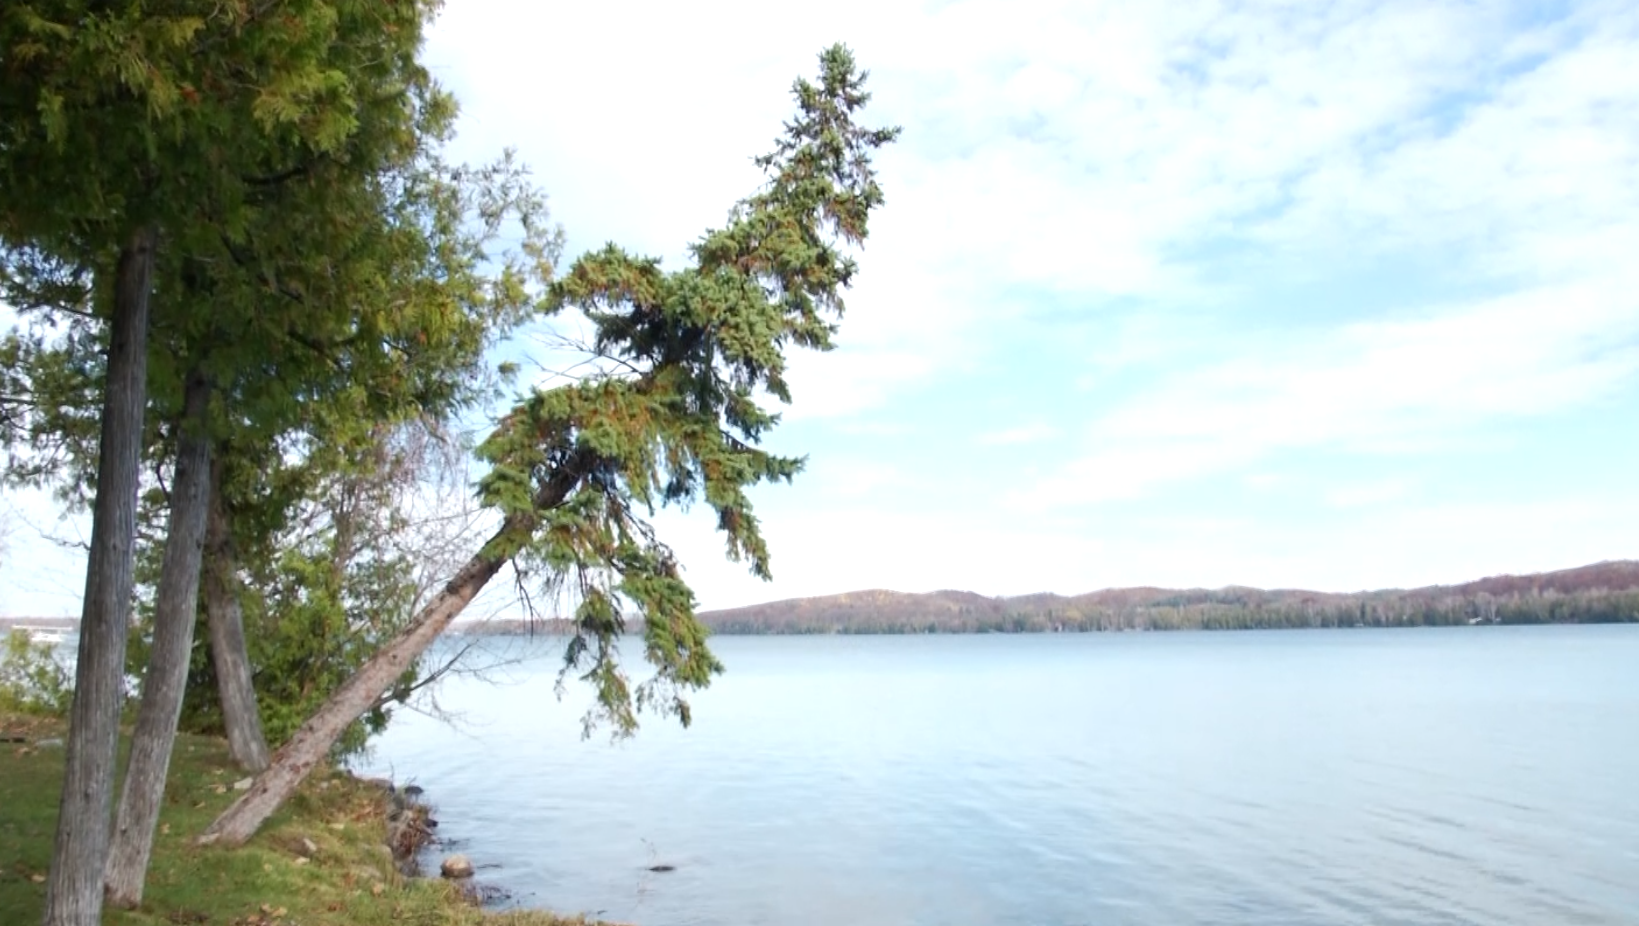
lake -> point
(1484, 775)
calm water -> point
(1485, 776)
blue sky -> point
(1333, 295)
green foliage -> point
(33, 680)
(343, 573)
(673, 415)
(322, 263)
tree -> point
(74, 890)
(127, 133)
(455, 257)
(671, 417)
(226, 625)
(155, 733)
(386, 312)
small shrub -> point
(32, 679)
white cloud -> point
(1080, 148)
(1020, 434)
(1087, 151)
(1372, 493)
(1370, 387)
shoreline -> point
(323, 860)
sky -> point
(1286, 294)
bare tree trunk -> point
(309, 745)
(74, 888)
(226, 623)
(175, 613)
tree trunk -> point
(309, 745)
(312, 741)
(74, 888)
(225, 620)
(176, 610)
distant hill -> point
(55, 623)
(1601, 593)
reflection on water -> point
(1460, 776)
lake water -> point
(1485, 776)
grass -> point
(275, 880)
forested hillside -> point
(1601, 593)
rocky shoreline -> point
(411, 828)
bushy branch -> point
(680, 420)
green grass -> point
(268, 882)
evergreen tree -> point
(673, 418)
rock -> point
(243, 784)
(456, 866)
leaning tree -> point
(673, 414)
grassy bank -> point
(320, 862)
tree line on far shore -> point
(1606, 593)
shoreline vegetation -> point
(323, 860)
(1602, 593)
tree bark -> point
(312, 741)
(74, 888)
(226, 623)
(176, 611)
